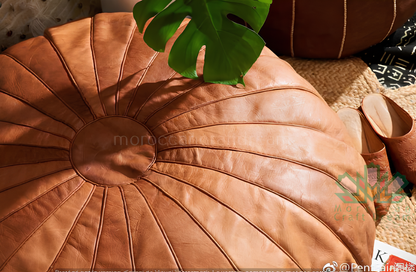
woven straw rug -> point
(344, 83)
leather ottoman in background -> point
(332, 29)
(109, 159)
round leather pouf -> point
(111, 160)
(332, 29)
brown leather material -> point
(332, 29)
(373, 151)
(201, 175)
(113, 151)
(401, 151)
(396, 129)
(382, 175)
(381, 159)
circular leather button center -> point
(113, 151)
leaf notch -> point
(231, 48)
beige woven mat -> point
(344, 83)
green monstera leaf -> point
(231, 48)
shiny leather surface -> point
(400, 143)
(113, 151)
(402, 152)
(319, 27)
(382, 202)
(373, 151)
(241, 177)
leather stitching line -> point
(100, 228)
(252, 123)
(33, 179)
(196, 85)
(292, 30)
(394, 19)
(198, 82)
(344, 31)
(272, 157)
(128, 225)
(298, 88)
(166, 82)
(139, 83)
(234, 211)
(37, 146)
(38, 129)
(26, 163)
(241, 123)
(123, 63)
(177, 202)
(73, 226)
(34, 107)
(147, 99)
(262, 187)
(73, 176)
(94, 60)
(159, 224)
(71, 76)
(45, 85)
(41, 224)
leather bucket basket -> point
(111, 160)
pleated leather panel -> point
(111, 160)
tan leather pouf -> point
(111, 160)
